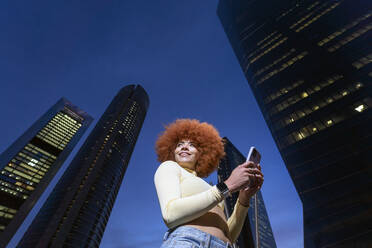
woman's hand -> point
(244, 175)
(246, 193)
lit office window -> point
(295, 98)
(322, 102)
(363, 61)
(59, 131)
(302, 19)
(283, 91)
(285, 13)
(350, 38)
(313, 5)
(361, 108)
(258, 44)
(343, 29)
(271, 41)
(317, 126)
(275, 62)
(266, 38)
(283, 66)
(281, 41)
(315, 18)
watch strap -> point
(224, 190)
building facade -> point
(309, 66)
(30, 163)
(77, 210)
(256, 231)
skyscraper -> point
(308, 64)
(30, 163)
(77, 211)
(257, 228)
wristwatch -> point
(222, 187)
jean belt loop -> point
(166, 235)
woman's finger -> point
(254, 171)
(259, 174)
(249, 164)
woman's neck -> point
(190, 170)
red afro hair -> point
(206, 138)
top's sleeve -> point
(175, 209)
(236, 220)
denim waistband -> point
(196, 234)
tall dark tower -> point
(256, 228)
(30, 163)
(77, 211)
(308, 64)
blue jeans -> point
(189, 237)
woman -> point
(191, 208)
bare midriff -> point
(213, 222)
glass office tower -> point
(308, 64)
(77, 210)
(256, 232)
(30, 163)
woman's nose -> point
(185, 147)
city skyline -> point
(78, 209)
(31, 161)
(179, 53)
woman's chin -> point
(186, 164)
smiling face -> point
(186, 154)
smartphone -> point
(255, 157)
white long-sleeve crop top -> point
(183, 197)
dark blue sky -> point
(177, 50)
